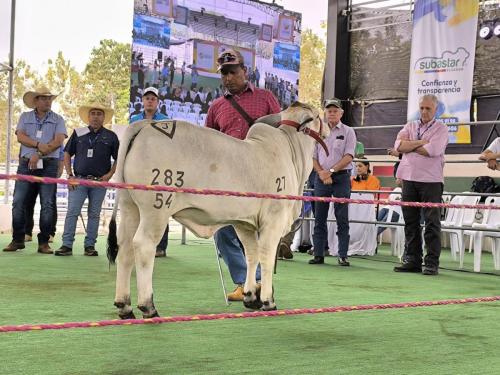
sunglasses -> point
(227, 58)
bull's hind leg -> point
(125, 258)
(251, 300)
(146, 238)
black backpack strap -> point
(240, 110)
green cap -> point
(332, 102)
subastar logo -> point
(448, 61)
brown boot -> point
(14, 246)
(284, 251)
(236, 295)
(44, 248)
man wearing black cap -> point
(333, 179)
(233, 114)
(150, 103)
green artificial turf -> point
(454, 339)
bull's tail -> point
(125, 144)
(112, 250)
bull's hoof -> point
(253, 305)
(154, 314)
(268, 306)
(125, 316)
(148, 312)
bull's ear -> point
(272, 120)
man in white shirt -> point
(491, 154)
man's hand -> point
(44, 148)
(487, 156)
(33, 161)
(328, 181)
(324, 174)
(393, 152)
(106, 177)
(71, 187)
(492, 164)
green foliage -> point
(313, 54)
(107, 77)
(105, 80)
(24, 78)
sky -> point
(74, 27)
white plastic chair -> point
(464, 217)
(484, 220)
(397, 231)
(492, 222)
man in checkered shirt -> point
(223, 116)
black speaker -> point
(160, 55)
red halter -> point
(308, 131)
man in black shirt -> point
(93, 148)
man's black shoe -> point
(343, 261)
(408, 267)
(430, 271)
(63, 251)
(317, 260)
(90, 251)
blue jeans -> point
(76, 198)
(230, 249)
(382, 216)
(341, 188)
(47, 192)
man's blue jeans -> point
(47, 202)
(341, 188)
(230, 249)
(76, 199)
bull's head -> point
(306, 119)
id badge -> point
(90, 152)
(39, 164)
(38, 134)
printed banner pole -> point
(442, 61)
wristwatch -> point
(332, 170)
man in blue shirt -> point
(93, 148)
(150, 102)
(40, 132)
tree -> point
(107, 77)
(312, 62)
(25, 78)
(64, 80)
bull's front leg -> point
(251, 290)
(267, 247)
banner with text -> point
(442, 61)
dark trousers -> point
(341, 188)
(422, 192)
(29, 210)
(47, 203)
(164, 241)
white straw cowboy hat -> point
(30, 96)
(85, 109)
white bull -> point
(175, 153)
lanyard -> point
(40, 122)
(92, 141)
(419, 136)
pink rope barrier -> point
(172, 189)
(255, 314)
